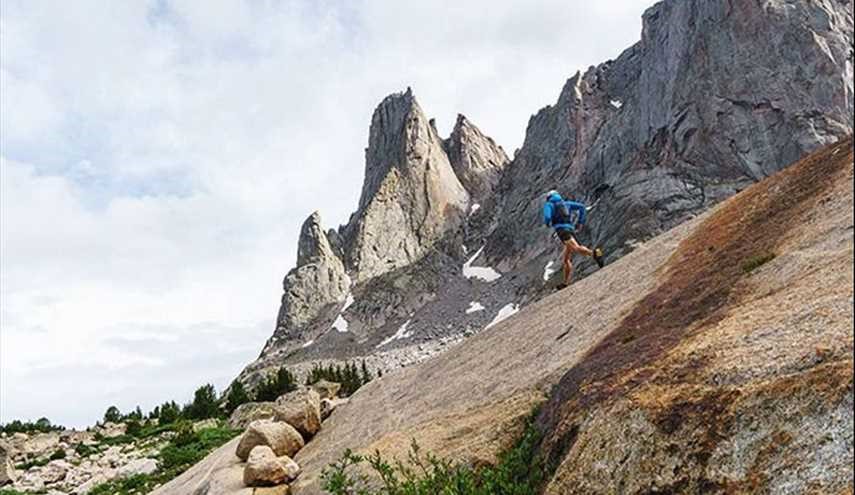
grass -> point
(520, 470)
(184, 450)
(756, 262)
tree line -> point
(207, 404)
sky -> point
(158, 157)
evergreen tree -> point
(169, 413)
(366, 375)
(237, 395)
(112, 415)
(274, 386)
(204, 404)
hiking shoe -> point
(598, 257)
(561, 286)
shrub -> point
(756, 262)
(57, 454)
(84, 450)
(519, 471)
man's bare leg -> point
(568, 263)
(574, 247)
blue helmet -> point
(553, 196)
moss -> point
(756, 262)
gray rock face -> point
(715, 96)
(476, 159)
(318, 281)
(410, 198)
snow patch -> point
(307, 344)
(474, 306)
(475, 207)
(506, 312)
(400, 334)
(548, 271)
(340, 324)
(485, 273)
(616, 103)
(347, 302)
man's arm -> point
(572, 205)
(547, 214)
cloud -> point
(157, 159)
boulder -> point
(204, 424)
(326, 389)
(137, 466)
(55, 471)
(31, 481)
(7, 469)
(281, 437)
(42, 443)
(252, 411)
(302, 410)
(112, 430)
(264, 468)
(329, 405)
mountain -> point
(714, 358)
(446, 239)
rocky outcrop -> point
(264, 468)
(682, 369)
(476, 159)
(715, 96)
(318, 281)
(411, 197)
(7, 469)
(281, 437)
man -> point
(568, 218)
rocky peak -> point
(313, 245)
(476, 159)
(411, 196)
(318, 280)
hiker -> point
(568, 218)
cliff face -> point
(715, 96)
(410, 198)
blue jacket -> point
(573, 206)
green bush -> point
(756, 262)
(134, 485)
(519, 471)
(10, 491)
(84, 450)
(57, 454)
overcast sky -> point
(159, 157)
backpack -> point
(561, 214)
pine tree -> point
(237, 395)
(112, 415)
(204, 404)
(169, 413)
